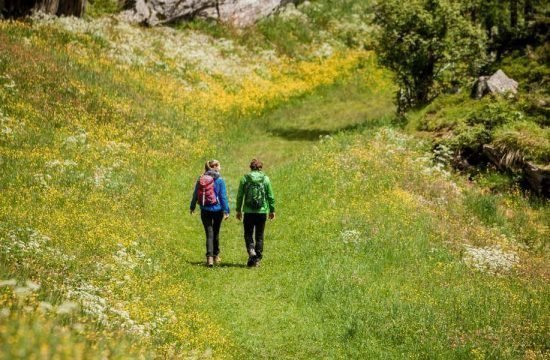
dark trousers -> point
(212, 222)
(254, 225)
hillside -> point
(378, 250)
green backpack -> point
(254, 192)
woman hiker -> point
(255, 189)
(211, 194)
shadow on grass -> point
(297, 134)
(222, 265)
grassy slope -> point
(398, 288)
(395, 286)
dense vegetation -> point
(448, 44)
(378, 251)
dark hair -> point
(256, 164)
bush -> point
(495, 113)
(98, 8)
(526, 139)
(430, 46)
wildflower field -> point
(378, 251)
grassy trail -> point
(266, 309)
(373, 275)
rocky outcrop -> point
(237, 12)
(498, 83)
(537, 176)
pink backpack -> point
(206, 193)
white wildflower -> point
(102, 176)
(324, 51)
(491, 259)
(5, 312)
(290, 12)
(22, 291)
(45, 306)
(350, 236)
(42, 179)
(61, 165)
(67, 307)
(76, 140)
(32, 285)
(10, 282)
(325, 138)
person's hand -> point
(239, 215)
(271, 216)
(225, 216)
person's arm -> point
(224, 203)
(194, 198)
(270, 198)
(240, 196)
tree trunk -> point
(528, 10)
(514, 13)
(71, 7)
(19, 8)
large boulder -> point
(237, 12)
(498, 83)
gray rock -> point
(237, 12)
(498, 83)
(480, 87)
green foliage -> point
(443, 114)
(465, 125)
(470, 138)
(288, 36)
(429, 45)
(527, 139)
(206, 26)
(510, 24)
(294, 29)
(98, 8)
(496, 182)
(485, 207)
(495, 113)
(531, 67)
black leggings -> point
(253, 222)
(212, 222)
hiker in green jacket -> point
(259, 203)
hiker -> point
(211, 194)
(255, 189)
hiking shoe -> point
(251, 257)
(209, 261)
(217, 260)
(257, 263)
(251, 261)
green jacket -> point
(269, 201)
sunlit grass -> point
(376, 252)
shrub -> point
(430, 46)
(526, 139)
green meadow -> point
(378, 249)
